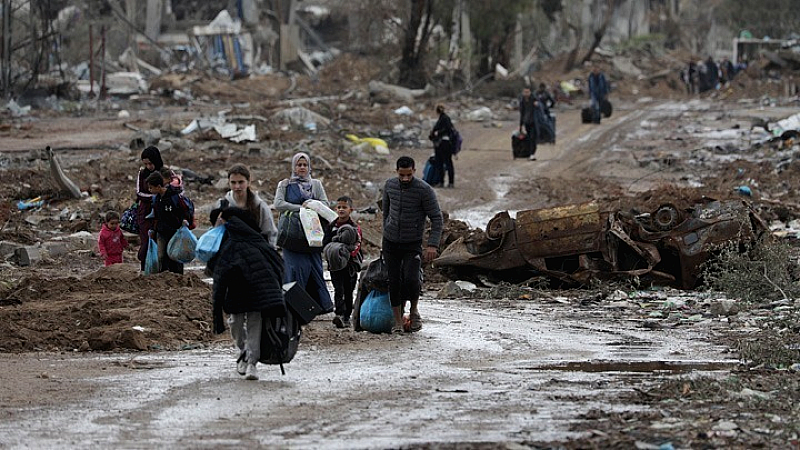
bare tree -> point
(415, 42)
(572, 23)
(610, 8)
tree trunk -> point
(611, 6)
(573, 54)
(412, 72)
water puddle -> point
(640, 366)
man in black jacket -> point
(528, 108)
(407, 203)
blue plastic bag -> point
(182, 245)
(151, 263)
(209, 242)
(376, 313)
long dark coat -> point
(248, 274)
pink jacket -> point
(111, 244)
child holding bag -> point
(169, 216)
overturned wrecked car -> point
(578, 243)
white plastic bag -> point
(322, 209)
(312, 227)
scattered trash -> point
(30, 203)
(379, 145)
(744, 190)
(16, 110)
(226, 130)
(404, 111)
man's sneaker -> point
(252, 373)
(338, 321)
(532, 158)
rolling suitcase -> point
(519, 148)
(589, 115)
(605, 108)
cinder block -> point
(28, 256)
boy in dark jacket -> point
(247, 283)
(170, 212)
(344, 279)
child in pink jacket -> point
(111, 241)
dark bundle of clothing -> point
(342, 248)
(248, 272)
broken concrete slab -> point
(55, 249)
(299, 116)
(450, 290)
(145, 138)
(480, 115)
(9, 248)
(377, 88)
(27, 255)
(57, 172)
(125, 83)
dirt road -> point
(492, 371)
(496, 371)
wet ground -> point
(535, 369)
(479, 372)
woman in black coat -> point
(247, 282)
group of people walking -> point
(249, 272)
(705, 75)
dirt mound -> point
(110, 309)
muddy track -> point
(476, 373)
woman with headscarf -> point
(151, 158)
(303, 267)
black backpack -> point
(280, 334)
(280, 338)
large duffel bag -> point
(519, 146)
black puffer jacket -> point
(405, 208)
(247, 275)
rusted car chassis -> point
(577, 243)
